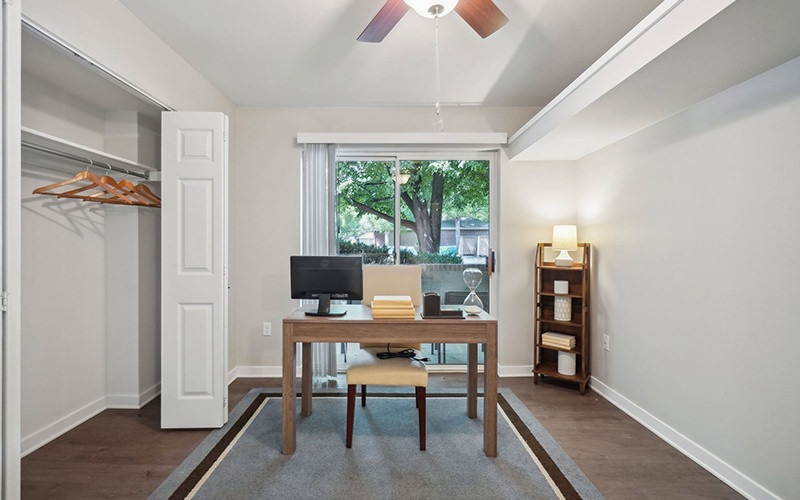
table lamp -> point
(565, 238)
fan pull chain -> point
(438, 124)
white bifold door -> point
(194, 237)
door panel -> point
(194, 267)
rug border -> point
(583, 486)
(575, 477)
(190, 463)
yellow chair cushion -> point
(367, 369)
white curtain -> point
(318, 175)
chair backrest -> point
(392, 280)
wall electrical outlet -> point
(606, 343)
(266, 329)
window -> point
(419, 209)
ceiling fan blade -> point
(483, 15)
(383, 22)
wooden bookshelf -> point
(578, 275)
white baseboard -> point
(275, 371)
(504, 371)
(37, 439)
(259, 371)
(122, 401)
(132, 401)
(703, 457)
(149, 394)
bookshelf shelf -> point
(546, 357)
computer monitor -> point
(325, 278)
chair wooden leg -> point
(351, 409)
(363, 395)
(421, 408)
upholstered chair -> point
(367, 368)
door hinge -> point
(4, 301)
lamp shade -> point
(565, 238)
(429, 8)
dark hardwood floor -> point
(121, 454)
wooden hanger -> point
(145, 191)
(110, 191)
(129, 188)
(83, 175)
(89, 180)
(122, 193)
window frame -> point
(399, 155)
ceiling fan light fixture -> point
(432, 8)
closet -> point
(90, 307)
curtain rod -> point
(88, 161)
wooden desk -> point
(359, 326)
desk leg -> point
(490, 393)
(472, 380)
(305, 394)
(288, 392)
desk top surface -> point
(360, 313)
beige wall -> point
(265, 215)
(696, 279)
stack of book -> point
(558, 340)
(392, 307)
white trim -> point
(668, 24)
(703, 457)
(258, 371)
(511, 371)
(10, 254)
(132, 401)
(49, 141)
(122, 401)
(37, 439)
(275, 371)
(52, 431)
(413, 138)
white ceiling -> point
(305, 53)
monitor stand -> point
(324, 307)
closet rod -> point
(69, 156)
(103, 70)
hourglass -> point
(472, 278)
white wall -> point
(63, 324)
(533, 197)
(265, 205)
(697, 265)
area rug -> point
(242, 460)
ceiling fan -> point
(483, 15)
